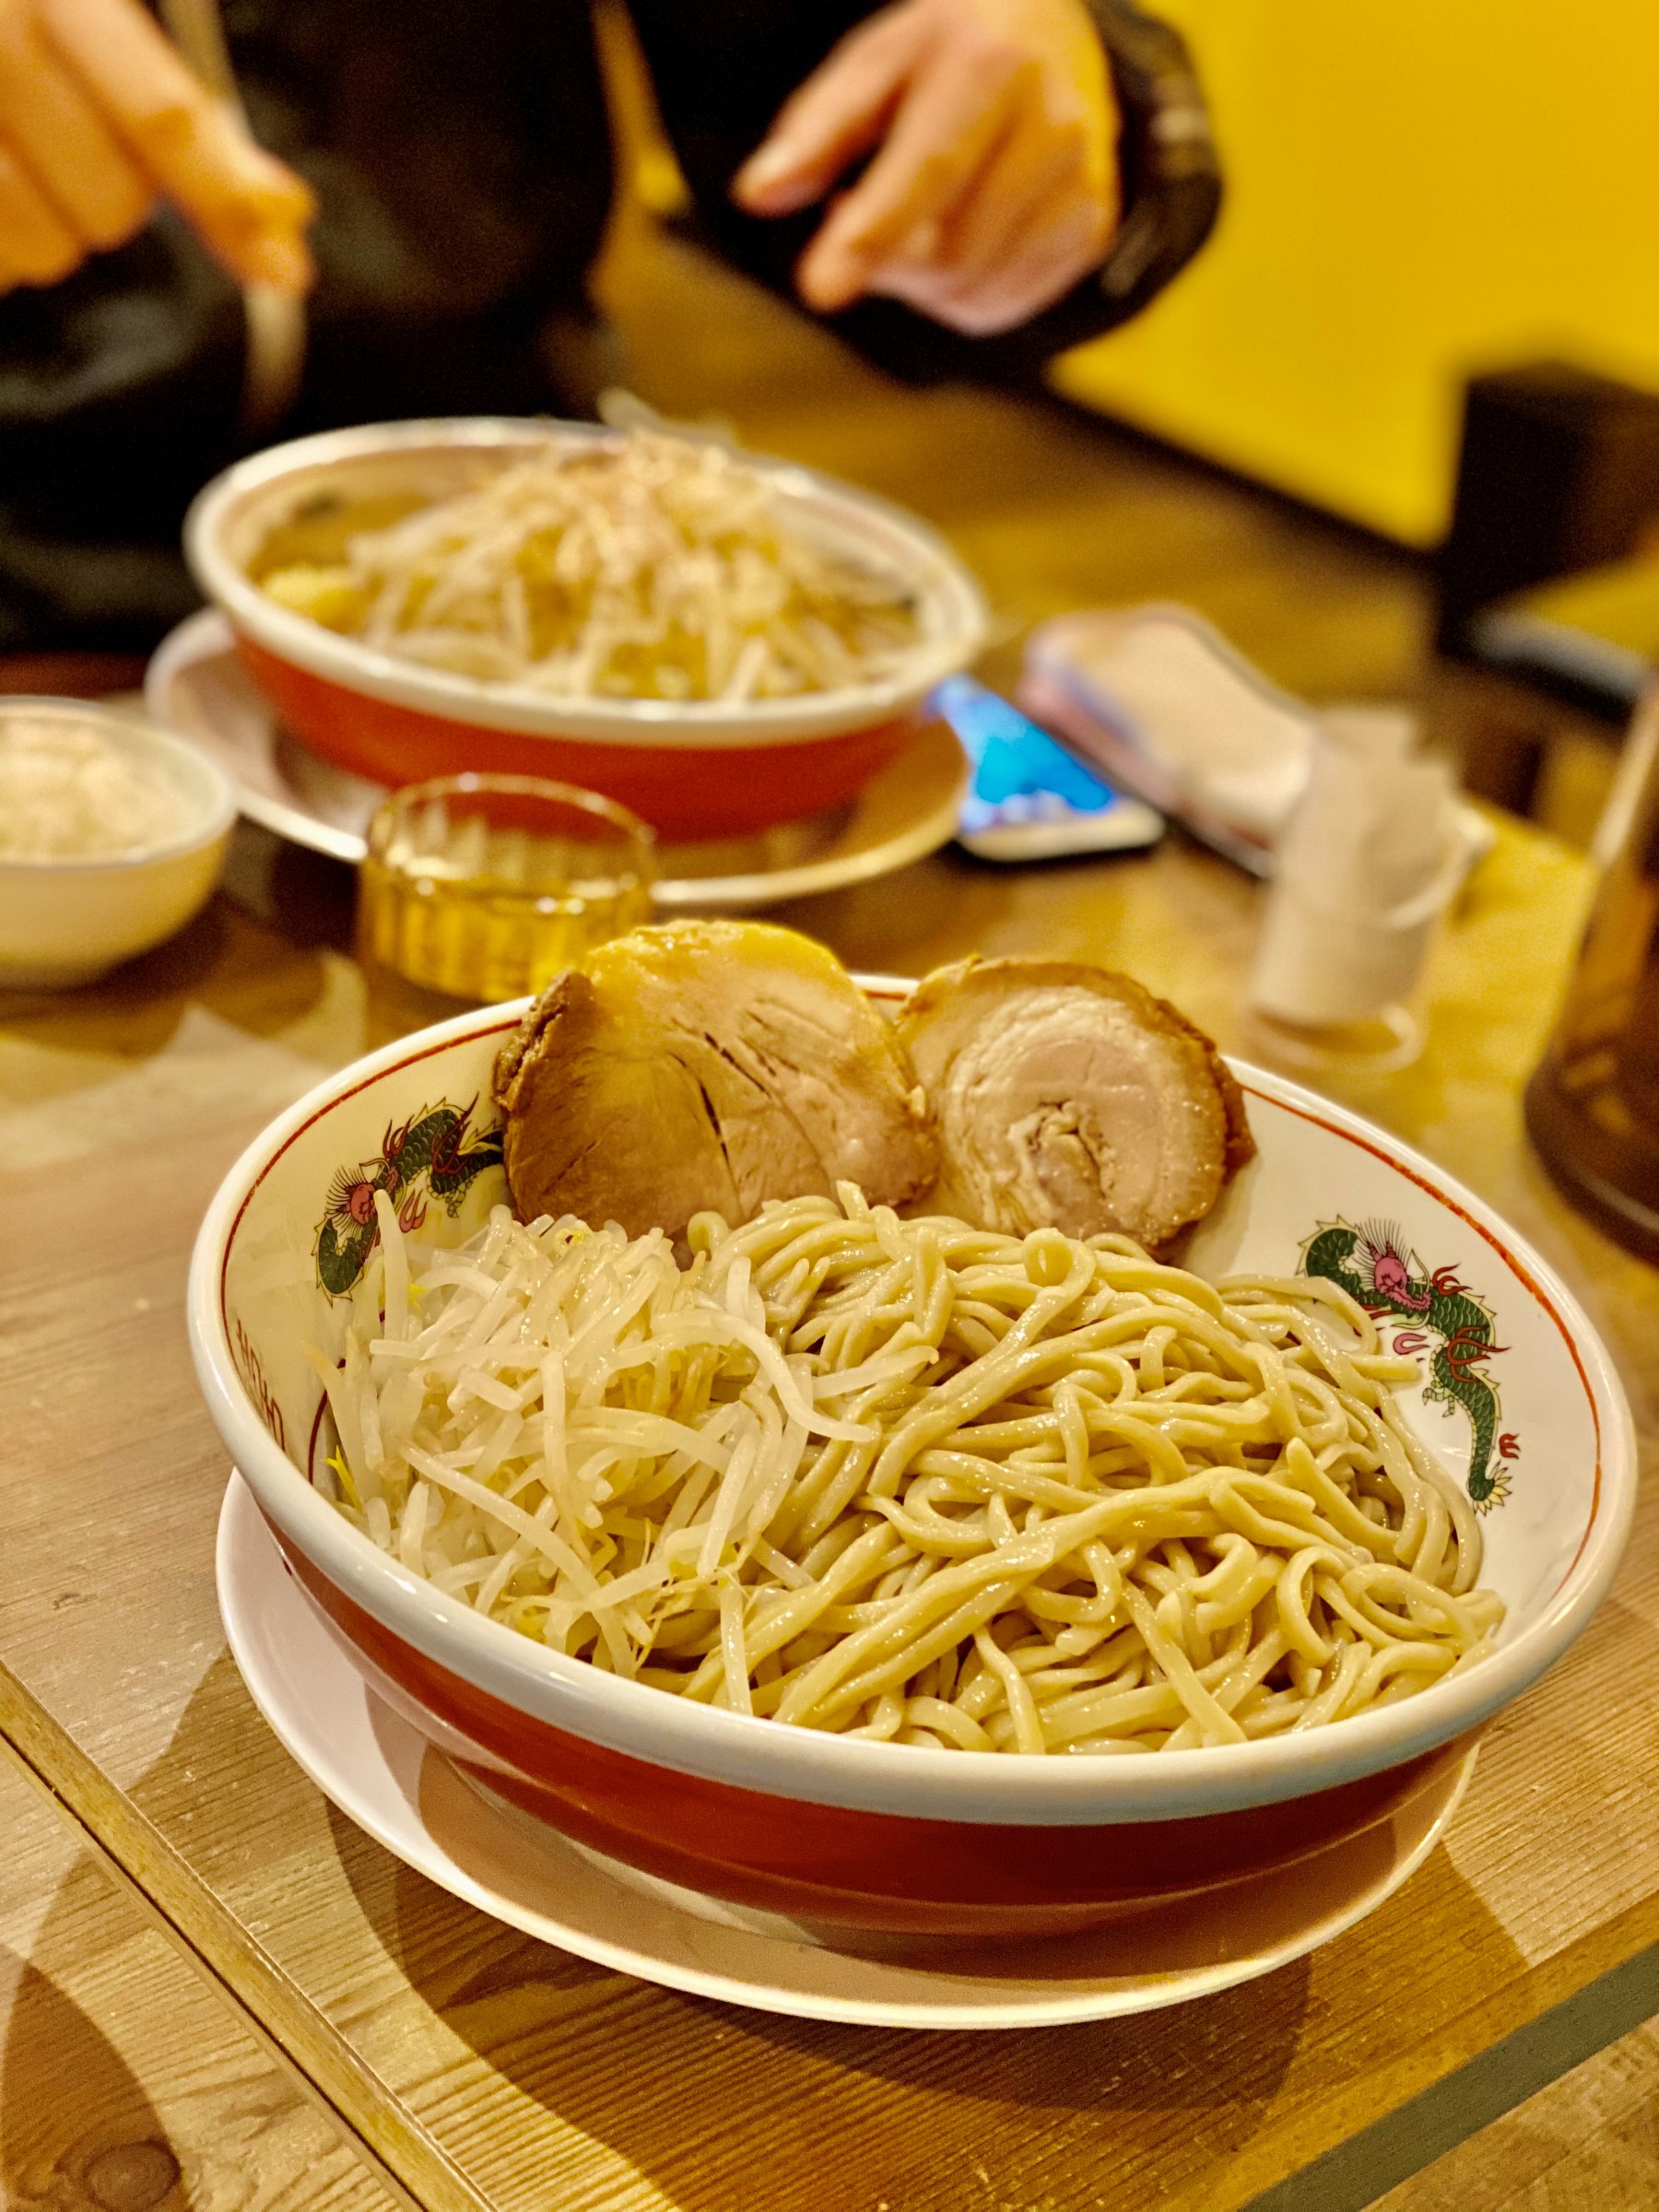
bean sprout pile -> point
(911, 1481)
(654, 568)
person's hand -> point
(98, 116)
(994, 189)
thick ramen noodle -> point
(911, 1481)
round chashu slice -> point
(1069, 1097)
(706, 1065)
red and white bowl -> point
(840, 1831)
(701, 768)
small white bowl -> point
(64, 921)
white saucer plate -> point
(382, 1776)
(197, 686)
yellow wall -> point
(1417, 188)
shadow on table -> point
(729, 2110)
(134, 1009)
(309, 898)
(257, 957)
(726, 2110)
(76, 2127)
(732, 2111)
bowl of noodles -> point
(1154, 1574)
(719, 641)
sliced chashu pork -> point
(1069, 1097)
(706, 1064)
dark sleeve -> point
(723, 68)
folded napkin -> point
(1161, 702)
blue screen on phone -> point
(1020, 773)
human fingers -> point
(837, 115)
(248, 208)
(1039, 270)
(1030, 280)
(70, 150)
(951, 115)
(1035, 276)
(37, 246)
(1038, 267)
(1036, 178)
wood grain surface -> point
(485, 2069)
(1590, 2139)
(123, 2086)
(482, 2070)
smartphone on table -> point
(1030, 799)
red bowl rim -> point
(829, 1768)
(945, 586)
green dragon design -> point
(438, 1145)
(1373, 1264)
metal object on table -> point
(276, 323)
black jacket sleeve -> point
(723, 68)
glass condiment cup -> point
(476, 889)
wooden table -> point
(475, 2068)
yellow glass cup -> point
(479, 888)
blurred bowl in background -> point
(693, 769)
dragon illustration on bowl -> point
(438, 1147)
(1373, 1264)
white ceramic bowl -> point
(64, 922)
(693, 769)
(828, 1828)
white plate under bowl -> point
(382, 1775)
(198, 686)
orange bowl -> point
(841, 1866)
(697, 769)
(871, 1835)
(684, 793)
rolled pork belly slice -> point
(1069, 1096)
